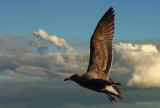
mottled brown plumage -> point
(101, 46)
(97, 76)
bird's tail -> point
(117, 89)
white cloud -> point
(59, 42)
(143, 60)
(70, 57)
(54, 39)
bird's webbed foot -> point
(111, 99)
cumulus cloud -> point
(143, 60)
(51, 38)
(59, 42)
(70, 57)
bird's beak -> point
(66, 79)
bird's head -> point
(74, 77)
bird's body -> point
(97, 76)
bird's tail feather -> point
(117, 88)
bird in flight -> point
(97, 76)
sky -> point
(135, 20)
(42, 42)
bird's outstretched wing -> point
(101, 46)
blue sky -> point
(31, 75)
(73, 19)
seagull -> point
(97, 76)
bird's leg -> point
(111, 99)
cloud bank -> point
(143, 60)
(17, 59)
